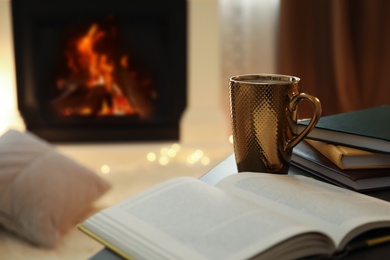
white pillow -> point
(42, 192)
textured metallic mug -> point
(264, 115)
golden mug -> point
(264, 114)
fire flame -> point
(96, 69)
(97, 64)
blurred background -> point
(223, 40)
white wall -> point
(204, 120)
(227, 37)
(8, 105)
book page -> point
(196, 220)
(335, 210)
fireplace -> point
(112, 70)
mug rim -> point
(284, 79)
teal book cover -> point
(367, 129)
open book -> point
(243, 216)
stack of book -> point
(349, 149)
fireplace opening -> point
(101, 70)
(98, 80)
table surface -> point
(228, 167)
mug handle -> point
(317, 110)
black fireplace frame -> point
(26, 15)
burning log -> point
(140, 96)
